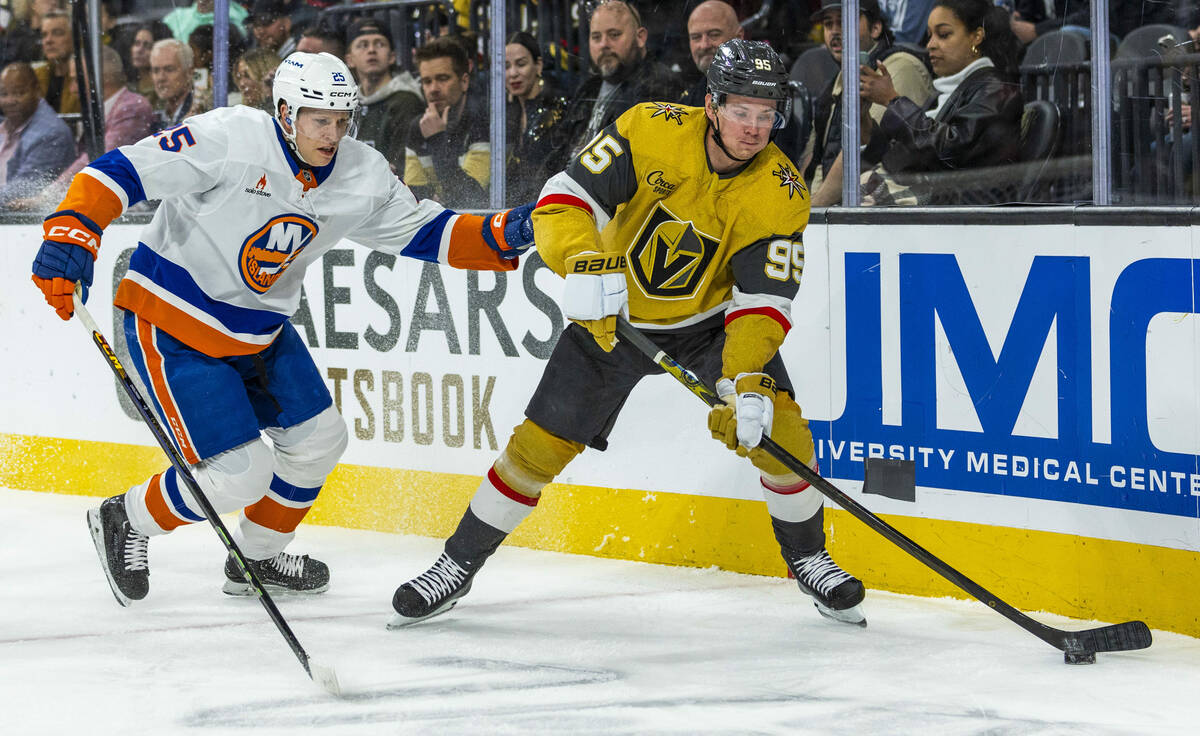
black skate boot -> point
(434, 591)
(438, 589)
(122, 550)
(835, 592)
(283, 573)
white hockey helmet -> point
(318, 81)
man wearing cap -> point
(908, 71)
(271, 24)
(389, 98)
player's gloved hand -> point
(595, 293)
(510, 233)
(67, 257)
(747, 413)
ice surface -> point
(545, 643)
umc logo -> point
(670, 257)
(267, 253)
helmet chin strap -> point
(721, 144)
(290, 122)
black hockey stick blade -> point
(323, 675)
(1112, 638)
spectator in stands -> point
(171, 67)
(133, 44)
(253, 74)
(182, 21)
(271, 24)
(448, 156)
(56, 75)
(128, 118)
(623, 75)
(975, 118)
(322, 38)
(711, 24)
(535, 110)
(908, 73)
(907, 18)
(18, 42)
(1032, 18)
(389, 98)
(35, 146)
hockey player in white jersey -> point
(249, 201)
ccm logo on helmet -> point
(341, 94)
(268, 252)
(79, 235)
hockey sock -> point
(495, 511)
(797, 513)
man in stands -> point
(449, 154)
(623, 75)
(711, 24)
(389, 98)
(34, 144)
(56, 75)
(909, 74)
(183, 21)
(272, 26)
(171, 68)
(320, 38)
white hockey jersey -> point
(221, 264)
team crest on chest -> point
(269, 250)
(788, 178)
(668, 111)
(670, 257)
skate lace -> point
(136, 553)
(820, 572)
(440, 580)
(289, 565)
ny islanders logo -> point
(267, 253)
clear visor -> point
(327, 126)
(764, 116)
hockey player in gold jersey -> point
(688, 222)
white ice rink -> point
(544, 644)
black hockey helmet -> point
(750, 69)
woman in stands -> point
(974, 119)
(253, 74)
(535, 109)
(133, 44)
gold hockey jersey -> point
(700, 246)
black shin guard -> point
(473, 541)
(801, 537)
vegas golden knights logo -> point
(670, 256)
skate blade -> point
(244, 589)
(97, 530)
(324, 676)
(399, 622)
(852, 615)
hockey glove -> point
(510, 233)
(747, 413)
(595, 293)
(67, 257)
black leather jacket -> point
(535, 153)
(649, 81)
(980, 125)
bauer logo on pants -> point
(268, 252)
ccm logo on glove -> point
(73, 234)
(599, 263)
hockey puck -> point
(1079, 657)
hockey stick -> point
(1079, 647)
(321, 674)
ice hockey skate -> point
(283, 573)
(835, 592)
(433, 592)
(123, 552)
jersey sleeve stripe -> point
(468, 249)
(432, 241)
(95, 195)
(561, 184)
(121, 175)
(771, 312)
